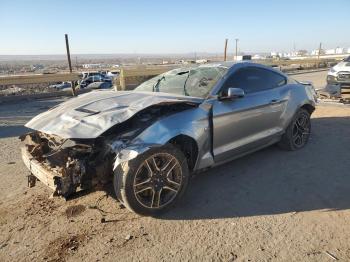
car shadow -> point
(273, 181)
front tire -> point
(298, 132)
(152, 182)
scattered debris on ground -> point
(58, 249)
(331, 255)
(73, 211)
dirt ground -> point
(269, 206)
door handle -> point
(275, 101)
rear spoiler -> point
(306, 83)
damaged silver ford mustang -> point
(148, 141)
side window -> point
(254, 79)
(276, 79)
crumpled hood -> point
(91, 114)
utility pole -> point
(318, 56)
(69, 62)
(225, 50)
(236, 47)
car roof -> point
(227, 64)
(222, 63)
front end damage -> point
(65, 165)
(68, 165)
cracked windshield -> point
(196, 82)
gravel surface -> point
(270, 205)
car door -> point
(243, 124)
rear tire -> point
(298, 132)
(152, 182)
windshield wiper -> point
(156, 86)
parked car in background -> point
(84, 75)
(61, 86)
(103, 73)
(148, 141)
(95, 78)
(338, 81)
(113, 74)
(100, 85)
(340, 73)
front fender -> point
(193, 123)
(130, 152)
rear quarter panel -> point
(295, 95)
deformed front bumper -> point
(36, 169)
(50, 177)
(65, 166)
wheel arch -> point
(309, 108)
(306, 106)
(188, 147)
(186, 143)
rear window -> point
(347, 59)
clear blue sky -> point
(38, 26)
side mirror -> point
(233, 93)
